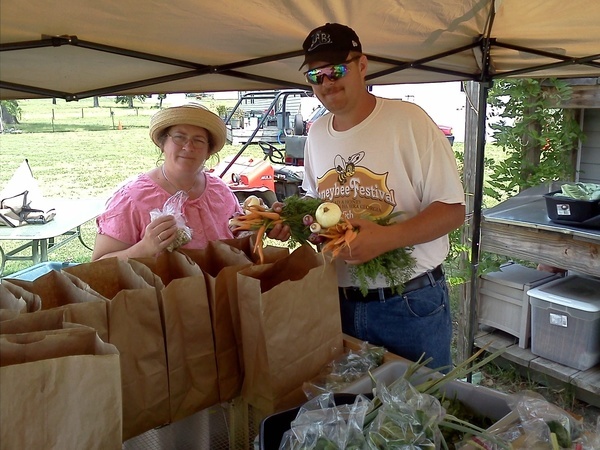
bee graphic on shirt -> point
(346, 169)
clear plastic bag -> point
(174, 207)
(321, 424)
(345, 369)
(407, 419)
(539, 424)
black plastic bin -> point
(570, 211)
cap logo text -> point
(318, 39)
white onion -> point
(315, 227)
(251, 200)
(328, 214)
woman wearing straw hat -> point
(187, 136)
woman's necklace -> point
(162, 168)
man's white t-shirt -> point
(397, 159)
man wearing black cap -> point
(374, 157)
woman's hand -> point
(159, 234)
(280, 231)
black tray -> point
(573, 212)
(593, 222)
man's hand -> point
(370, 242)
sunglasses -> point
(333, 73)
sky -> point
(444, 102)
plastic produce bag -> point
(174, 207)
(539, 424)
(544, 421)
(406, 419)
(345, 369)
(320, 424)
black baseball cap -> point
(331, 42)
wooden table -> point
(520, 228)
(41, 239)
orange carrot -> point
(258, 249)
(258, 246)
(338, 237)
(243, 227)
(349, 235)
(268, 215)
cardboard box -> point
(503, 300)
(565, 321)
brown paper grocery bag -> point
(15, 300)
(10, 305)
(220, 263)
(135, 328)
(51, 319)
(59, 389)
(291, 327)
(189, 339)
(57, 289)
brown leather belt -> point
(374, 295)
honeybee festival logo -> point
(356, 189)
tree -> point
(538, 137)
(161, 97)
(128, 99)
(10, 113)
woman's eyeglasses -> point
(333, 73)
(182, 139)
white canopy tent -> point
(75, 49)
(81, 48)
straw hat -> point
(189, 114)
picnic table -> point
(41, 239)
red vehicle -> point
(447, 132)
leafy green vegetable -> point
(581, 191)
(562, 434)
(396, 265)
(325, 444)
(294, 209)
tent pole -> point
(485, 82)
(484, 87)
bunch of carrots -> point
(302, 216)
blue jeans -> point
(408, 324)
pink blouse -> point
(128, 211)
